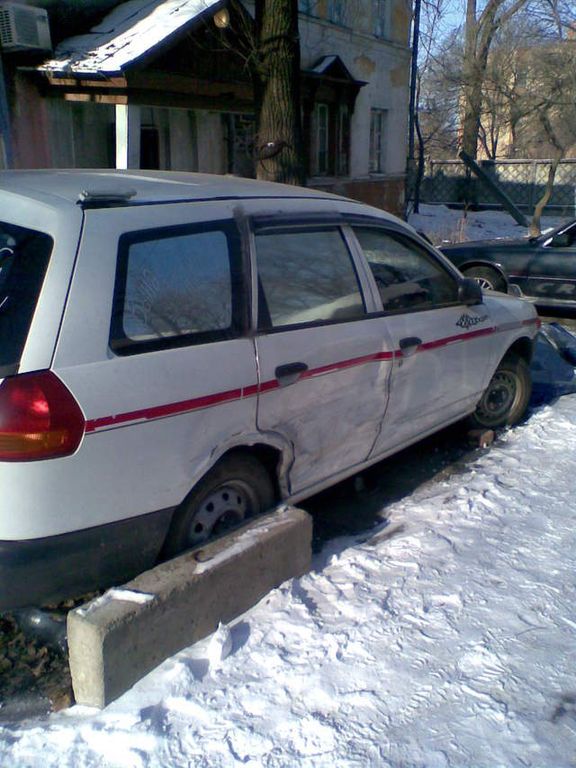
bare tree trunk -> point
(479, 34)
(277, 92)
(535, 228)
(472, 87)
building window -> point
(240, 134)
(322, 138)
(336, 11)
(331, 140)
(379, 11)
(377, 140)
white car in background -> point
(179, 352)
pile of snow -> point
(446, 637)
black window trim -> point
(123, 346)
(291, 220)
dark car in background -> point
(543, 268)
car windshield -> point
(24, 256)
(549, 233)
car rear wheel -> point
(487, 278)
(506, 398)
(237, 488)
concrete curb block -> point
(118, 638)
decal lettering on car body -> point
(468, 321)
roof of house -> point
(128, 32)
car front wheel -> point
(238, 487)
(506, 398)
(488, 279)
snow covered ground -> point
(443, 224)
(444, 637)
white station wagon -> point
(179, 352)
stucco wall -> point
(383, 63)
(183, 140)
(386, 193)
(385, 67)
(80, 134)
(211, 148)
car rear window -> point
(24, 257)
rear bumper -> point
(41, 571)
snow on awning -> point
(128, 32)
(324, 64)
(332, 66)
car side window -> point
(408, 278)
(306, 276)
(176, 286)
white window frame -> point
(336, 11)
(380, 18)
(378, 125)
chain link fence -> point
(523, 181)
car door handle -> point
(409, 345)
(289, 373)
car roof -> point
(61, 188)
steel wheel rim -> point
(223, 508)
(499, 399)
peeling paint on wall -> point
(400, 76)
(365, 65)
(401, 17)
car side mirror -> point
(561, 240)
(469, 292)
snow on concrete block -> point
(119, 637)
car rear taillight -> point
(39, 418)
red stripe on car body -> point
(161, 411)
(437, 343)
(343, 364)
(208, 401)
(533, 321)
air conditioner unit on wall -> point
(23, 28)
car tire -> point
(236, 488)
(487, 278)
(506, 397)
